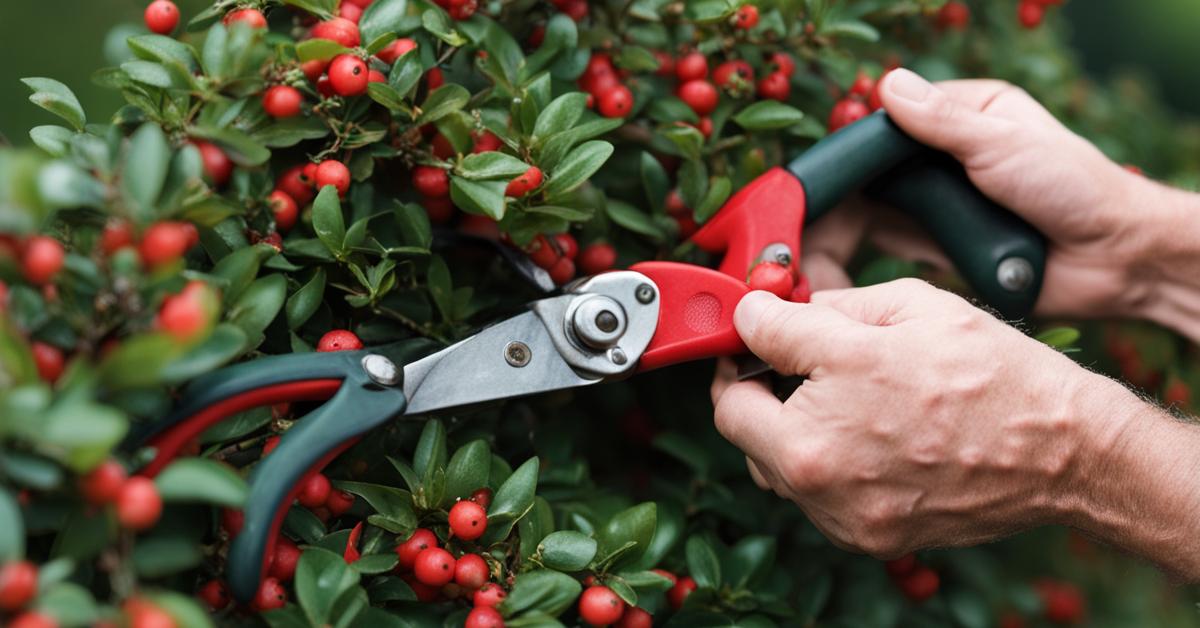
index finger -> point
(748, 415)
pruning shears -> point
(601, 328)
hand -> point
(923, 422)
(1106, 225)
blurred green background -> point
(65, 39)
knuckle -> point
(806, 468)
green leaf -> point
(441, 289)
(328, 221)
(512, 500)
(150, 73)
(64, 185)
(81, 433)
(58, 99)
(442, 102)
(708, 11)
(468, 469)
(161, 555)
(202, 480)
(714, 198)
(304, 303)
(237, 426)
(750, 561)
(164, 49)
(561, 114)
(567, 550)
(687, 139)
(491, 165)
(387, 96)
(145, 169)
(406, 73)
(184, 609)
(569, 214)
(479, 197)
(319, 50)
(12, 527)
(323, 9)
(550, 592)
(259, 305)
(375, 563)
(631, 526)
(431, 448)
(321, 578)
(623, 590)
(239, 268)
(438, 24)
(393, 504)
(702, 563)
(1059, 337)
(655, 181)
(556, 146)
(240, 147)
(577, 167)
(52, 138)
(633, 219)
(850, 29)
(381, 18)
(291, 131)
(69, 604)
(768, 114)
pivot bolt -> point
(1015, 274)
(381, 370)
(517, 353)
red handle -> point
(695, 315)
(770, 210)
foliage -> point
(607, 483)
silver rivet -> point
(617, 356)
(381, 370)
(517, 353)
(607, 321)
(644, 293)
(1015, 274)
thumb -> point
(939, 119)
(794, 338)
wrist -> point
(1135, 486)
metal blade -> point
(510, 359)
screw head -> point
(607, 321)
(644, 293)
(381, 370)
(517, 354)
(617, 356)
(1015, 274)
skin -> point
(925, 421)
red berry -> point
(486, 142)
(325, 87)
(616, 102)
(954, 14)
(339, 502)
(293, 183)
(691, 66)
(138, 504)
(920, 585)
(338, 29)
(462, 9)
(542, 253)
(439, 209)
(733, 74)
(746, 17)
(1030, 14)
(420, 540)
(183, 315)
(901, 566)
(537, 35)
(434, 567)
(705, 126)
(269, 445)
(863, 85)
(375, 76)
(48, 359)
(599, 606)
(484, 617)
(1011, 620)
(143, 614)
(270, 595)
(431, 181)
(434, 79)
(575, 9)
(635, 617)
(677, 594)
(846, 112)
(314, 491)
(524, 183)
(783, 63)
(231, 521)
(161, 16)
(471, 571)
(562, 271)
(335, 173)
(214, 594)
(1062, 602)
(666, 63)
(348, 75)
(674, 204)
(468, 520)
(252, 17)
(18, 584)
(284, 209)
(43, 258)
(350, 12)
(666, 574)
(314, 69)
(425, 593)
(102, 484)
(282, 101)
(117, 234)
(1177, 393)
(483, 497)
(164, 243)
(283, 561)
(597, 258)
(489, 594)
(700, 95)
(217, 165)
(567, 244)
(774, 86)
(396, 49)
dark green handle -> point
(359, 406)
(1000, 255)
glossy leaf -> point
(567, 550)
(321, 578)
(202, 480)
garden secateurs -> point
(601, 328)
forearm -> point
(1138, 486)
(1170, 267)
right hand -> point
(1093, 211)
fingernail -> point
(750, 310)
(908, 85)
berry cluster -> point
(1030, 13)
